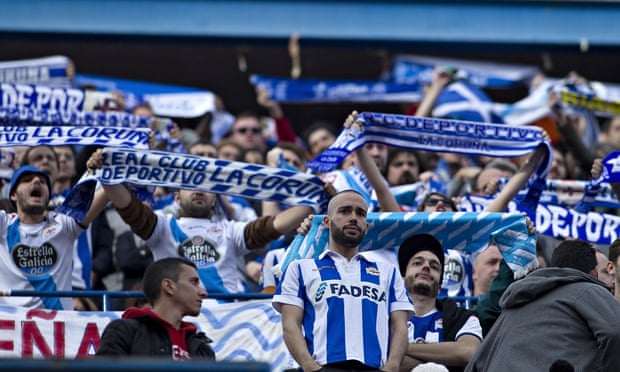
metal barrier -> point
(106, 295)
(130, 365)
(467, 301)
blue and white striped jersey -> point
(214, 246)
(347, 305)
(37, 257)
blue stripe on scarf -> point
(38, 283)
(463, 231)
(314, 90)
(190, 172)
(437, 135)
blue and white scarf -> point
(314, 90)
(165, 100)
(568, 193)
(78, 135)
(40, 116)
(466, 232)
(55, 71)
(190, 172)
(408, 69)
(41, 97)
(558, 221)
(437, 135)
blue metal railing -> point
(467, 301)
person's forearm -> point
(387, 201)
(398, 340)
(118, 195)
(500, 203)
(290, 218)
(426, 106)
(100, 199)
(448, 353)
(409, 363)
(296, 345)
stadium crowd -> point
(238, 243)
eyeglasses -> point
(431, 202)
(252, 130)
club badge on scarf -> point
(190, 172)
(463, 231)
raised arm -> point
(500, 203)
(441, 78)
(135, 213)
(386, 199)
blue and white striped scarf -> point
(437, 135)
(462, 231)
(40, 116)
(190, 172)
(77, 135)
(53, 71)
(314, 90)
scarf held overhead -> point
(463, 231)
(75, 135)
(437, 135)
(190, 172)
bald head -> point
(338, 199)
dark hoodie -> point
(141, 332)
(553, 313)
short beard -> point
(406, 178)
(195, 211)
(343, 239)
(32, 209)
(422, 289)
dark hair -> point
(561, 365)
(230, 142)
(298, 150)
(166, 268)
(417, 243)
(394, 152)
(501, 164)
(614, 251)
(452, 204)
(576, 254)
(315, 126)
(25, 160)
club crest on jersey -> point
(35, 261)
(49, 232)
(200, 251)
(372, 271)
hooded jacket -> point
(142, 333)
(552, 314)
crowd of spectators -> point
(113, 246)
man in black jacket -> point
(173, 288)
(440, 331)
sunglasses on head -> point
(245, 130)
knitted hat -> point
(415, 244)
